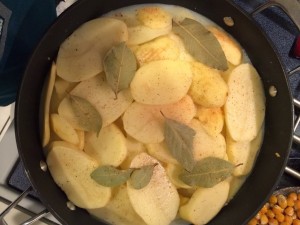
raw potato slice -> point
(158, 202)
(243, 153)
(208, 89)
(158, 49)
(173, 172)
(45, 106)
(102, 97)
(146, 122)
(119, 210)
(235, 185)
(161, 82)
(134, 148)
(206, 145)
(231, 48)
(108, 148)
(62, 87)
(154, 17)
(161, 152)
(205, 204)
(212, 120)
(245, 106)
(71, 169)
(81, 54)
(63, 129)
(183, 53)
(81, 137)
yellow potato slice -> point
(231, 48)
(161, 152)
(101, 96)
(81, 138)
(205, 145)
(245, 106)
(173, 171)
(63, 129)
(212, 119)
(62, 87)
(184, 55)
(205, 204)
(71, 169)
(158, 202)
(45, 106)
(208, 89)
(108, 148)
(119, 210)
(243, 153)
(159, 49)
(161, 82)
(81, 54)
(154, 17)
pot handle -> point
(291, 7)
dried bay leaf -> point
(207, 172)
(87, 117)
(110, 176)
(179, 139)
(201, 43)
(120, 66)
(141, 177)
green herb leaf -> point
(142, 176)
(201, 43)
(109, 176)
(179, 139)
(208, 172)
(87, 116)
(119, 66)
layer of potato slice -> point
(161, 152)
(45, 105)
(173, 171)
(205, 145)
(212, 119)
(63, 129)
(71, 169)
(108, 148)
(158, 202)
(208, 88)
(245, 106)
(243, 153)
(119, 210)
(80, 56)
(205, 203)
(161, 82)
(154, 17)
(159, 49)
(101, 96)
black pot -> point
(278, 120)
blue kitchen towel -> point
(22, 24)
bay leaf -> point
(201, 43)
(86, 114)
(110, 176)
(207, 172)
(120, 66)
(179, 139)
(142, 176)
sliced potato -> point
(81, 54)
(173, 171)
(205, 204)
(119, 210)
(108, 148)
(62, 87)
(205, 145)
(235, 185)
(208, 89)
(71, 169)
(243, 153)
(245, 106)
(45, 106)
(161, 82)
(161, 152)
(212, 119)
(63, 129)
(158, 202)
(154, 17)
(81, 138)
(184, 55)
(159, 49)
(231, 48)
(101, 96)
